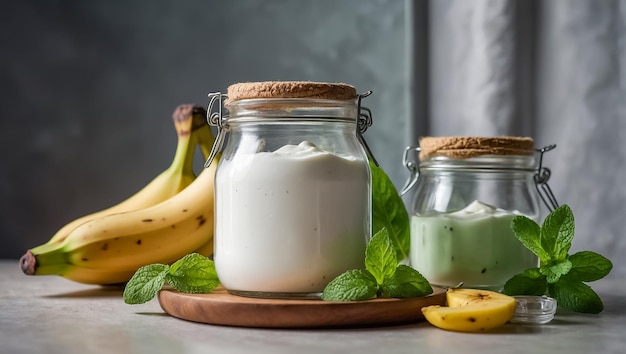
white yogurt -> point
(474, 245)
(291, 220)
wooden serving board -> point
(222, 308)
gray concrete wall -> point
(88, 88)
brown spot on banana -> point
(105, 246)
(201, 220)
(139, 242)
(146, 220)
(471, 319)
(482, 296)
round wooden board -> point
(222, 308)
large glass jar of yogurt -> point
(292, 189)
(466, 192)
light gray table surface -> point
(50, 314)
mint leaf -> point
(382, 276)
(574, 295)
(530, 282)
(406, 282)
(557, 232)
(554, 272)
(380, 256)
(194, 274)
(353, 285)
(589, 266)
(533, 273)
(529, 234)
(560, 275)
(389, 212)
(145, 283)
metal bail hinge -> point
(364, 121)
(216, 119)
(542, 175)
(412, 166)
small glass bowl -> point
(534, 309)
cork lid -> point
(290, 89)
(463, 147)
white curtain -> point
(554, 70)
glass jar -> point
(292, 188)
(467, 191)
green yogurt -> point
(474, 245)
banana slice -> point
(471, 310)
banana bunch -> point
(167, 219)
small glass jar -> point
(467, 191)
(292, 188)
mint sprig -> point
(560, 275)
(382, 276)
(193, 273)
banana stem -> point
(186, 120)
(205, 139)
(49, 254)
(28, 263)
(32, 264)
(183, 160)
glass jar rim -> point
(291, 108)
(485, 162)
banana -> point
(471, 310)
(109, 249)
(205, 140)
(187, 120)
(206, 249)
(109, 246)
(100, 276)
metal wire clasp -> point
(412, 166)
(542, 175)
(216, 119)
(364, 121)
